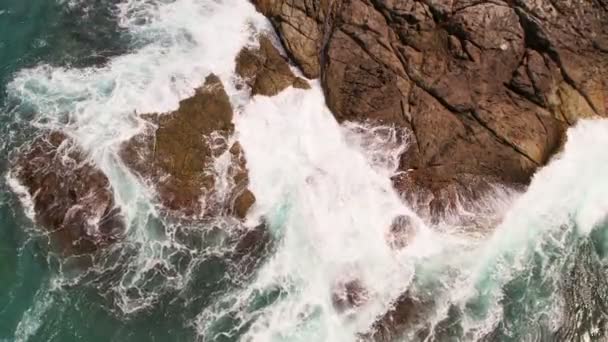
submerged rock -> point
(487, 88)
(349, 294)
(251, 248)
(402, 232)
(177, 152)
(72, 198)
(407, 313)
(265, 71)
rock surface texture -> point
(72, 198)
(265, 70)
(487, 88)
(187, 156)
(179, 151)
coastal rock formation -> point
(178, 151)
(72, 198)
(265, 71)
(408, 312)
(487, 88)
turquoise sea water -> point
(22, 266)
(34, 32)
(540, 277)
(40, 300)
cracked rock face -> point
(265, 71)
(72, 198)
(176, 154)
(487, 88)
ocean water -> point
(33, 32)
(536, 270)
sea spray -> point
(324, 194)
(174, 46)
(333, 208)
(513, 286)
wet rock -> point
(402, 231)
(348, 295)
(300, 26)
(487, 88)
(251, 247)
(253, 241)
(177, 152)
(265, 71)
(408, 313)
(242, 203)
(72, 197)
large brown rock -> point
(265, 70)
(72, 198)
(407, 313)
(177, 151)
(300, 24)
(487, 88)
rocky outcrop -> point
(265, 70)
(487, 88)
(178, 151)
(347, 295)
(72, 198)
(300, 24)
(408, 312)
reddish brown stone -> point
(407, 312)
(72, 198)
(486, 87)
(176, 154)
(265, 71)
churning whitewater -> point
(535, 270)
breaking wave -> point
(320, 232)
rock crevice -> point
(503, 79)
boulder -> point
(176, 155)
(487, 88)
(265, 70)
(300, 27)
(72, 197)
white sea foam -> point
(566, 197)
(330, 203)
(324, 189)
(24, 196)
(181, 42)
(174, 46)
(32, 319)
